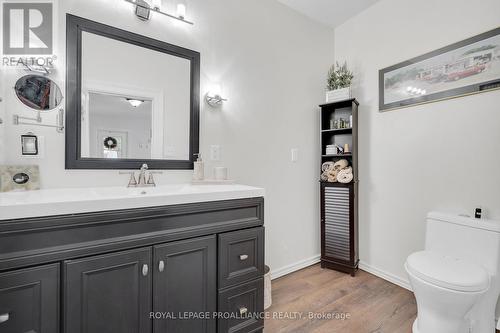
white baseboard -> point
(385, 275)
(276, 273)
(362, 265)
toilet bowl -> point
(446, 289)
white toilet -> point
(456, 280)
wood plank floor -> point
(372, 304)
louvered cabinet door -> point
(338, 231)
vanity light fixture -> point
(214, 96)
(144, 8)
(135, 102)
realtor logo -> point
(27, 28)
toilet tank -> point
(475, 239)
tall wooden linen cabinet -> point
(339, 201)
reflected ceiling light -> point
(135, 102)
(144, 8)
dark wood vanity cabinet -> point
(186, 268)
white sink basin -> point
(80, 200)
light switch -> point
(295, 154)
(215, 152)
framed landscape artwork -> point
(467, 67)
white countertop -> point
(14, 205)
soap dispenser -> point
(199, 168)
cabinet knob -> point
(145, 270)
(243, 257)
(161, 266)
(4, 317)
(243, 311)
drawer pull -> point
(145, 270)
(243, 257)
(243, 311)
(4, 317)
(161, 266)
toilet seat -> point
(448, 272)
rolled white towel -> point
(327, 166)
(341, 164)
(332, 176)
(345, 176)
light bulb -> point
(215, 90)
(157, 5)
(181, 11)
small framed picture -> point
(29, 144)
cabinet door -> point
(109, 293)
(29, 300)
(338, 223)
(185, 284)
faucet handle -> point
(151, 180)
(132, 182)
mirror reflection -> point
(135, 102)
(38, 92)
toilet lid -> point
(448, 272)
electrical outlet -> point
(215, 153)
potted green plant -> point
(339, 83)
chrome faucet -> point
(142, 176)
(141, 179)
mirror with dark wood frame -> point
(130, 100)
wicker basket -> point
(268, 300)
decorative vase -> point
(339, 94)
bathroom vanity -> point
(177, 258)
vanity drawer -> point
(241, 256)
(244, 305)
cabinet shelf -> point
(337, 130)
(337, 155)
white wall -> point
(272, 63)
(438, 156)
